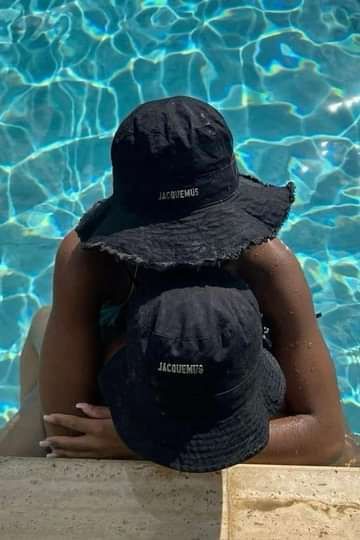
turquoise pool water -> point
(285, 74)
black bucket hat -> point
(178, 198)
(194, 388)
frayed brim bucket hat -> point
(178, 197)
(194, 389)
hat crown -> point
(210, 330)
(169, 140)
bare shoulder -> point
(72, 257)
(79, 269)
(276, 277)
(67, 246)
(270, 258)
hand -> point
(97, 435)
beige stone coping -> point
(57, 499)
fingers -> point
(59, 453)
(63, 442)
(94, 411)
(74, 447)
(77, 423)
(69, 421)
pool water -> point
(285, 74)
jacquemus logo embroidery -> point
(178, 194)
(182, 369)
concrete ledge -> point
(293, 502)
(86, 499)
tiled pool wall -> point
(285, 74)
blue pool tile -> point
(273, 122)
(13, 283)
(10, 332)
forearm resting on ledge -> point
(300, 440)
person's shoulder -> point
(90, 268)
(67, 247)
(74, 267)
(259, 262)
(268, 253)
(70, 252)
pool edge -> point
(78, 499)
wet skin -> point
(312, 433)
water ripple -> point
(285, 76)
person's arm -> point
(98, 438)
(71, 346)
(313, 432)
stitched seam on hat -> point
(244, 380)
(178, 338)
(207, 173)
(216, 169)
(214, 203)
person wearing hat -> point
(180, 203)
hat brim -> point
(209, 235)
(191, 444)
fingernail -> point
(51, 455)
(47, 418)
(81, 405)
(44, 444)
